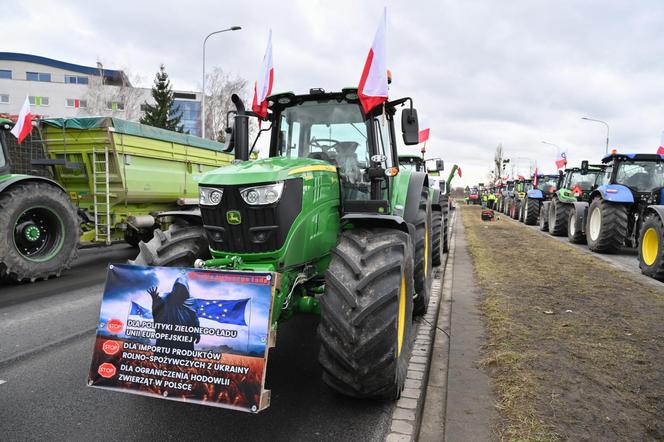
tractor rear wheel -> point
(437, 229)
(423, 249)
(179, 246)
(366, 314)
(41, 232)
(544, 217)
(651, 248)
(532, 211)
(606, 227)
(574, 235)
(558, 218)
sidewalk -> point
(459, 405)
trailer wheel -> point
(423, 249)
(606, 227)
(558, 218)
(366, 314)
(544, 217)
(573, 234)
(437, 229)
(179, 246)
(532, 211)
(651, 250)
(41, 232)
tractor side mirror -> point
(440, 165)
(584, 167)
(410, 127)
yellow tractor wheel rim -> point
(426, 250)
(650, 246)
(401, 316)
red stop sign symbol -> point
(110, 347)
(114, 325)
(106, 370)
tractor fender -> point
(28, 178)
(615, 193)
(192, 217)
(581, 210)
(655, 209)
(416, 183)
(377, 220)
(535, 194)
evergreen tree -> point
(162, 114)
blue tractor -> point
(546, 186)
(627, 210)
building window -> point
(38, 101)
(4, 73)
(76, 103)
(74, 79)
(37, 76)
(4, 98)
(115, 105)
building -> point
(58, 89)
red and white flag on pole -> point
(561, 159)
(373, 82)
(459, 171)
(23, 125)
(535, 178)
(263, 86)
(423, 135)
(660, 150)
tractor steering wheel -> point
(324, 144)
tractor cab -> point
(579, 182)
(547, 184)
(641, 174)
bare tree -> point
(219, 87)
(128, 98)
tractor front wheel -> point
(437, 229)
(532, 211)
(366, 314)
(423, 258)
(558, 218)
(445, 203)
(544, 217)
(574, 235)
(651, 249)
(606, 226)
(179, 246)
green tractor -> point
(546, 187)
(329, 210)
(438, 198)
(518, 196)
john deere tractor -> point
(546, 187)
(349, 233)
(567, 209)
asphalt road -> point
(46, 338)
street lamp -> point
(606, 151)
(551, 144)
(232, 28)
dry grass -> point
(590, 368)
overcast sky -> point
(481, 72)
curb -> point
(407, 415)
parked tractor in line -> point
(349, 233)
(504, 196)
(516, 206)
(546, 187)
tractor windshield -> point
(586, 182)
(410, 163)
(641, 176)
(547, 184)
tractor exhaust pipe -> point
(240, 130)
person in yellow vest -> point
(485, 199)
(491, 201)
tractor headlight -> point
(260, 195)
(209, 196)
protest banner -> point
(190, 335)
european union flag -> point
(226, 312)
(137, 310)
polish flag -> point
(459, 171)
(535, 178)
(23, 125)
(423, 135)
(660, 151)
(373, 82)
(561, 159)
(263, 86)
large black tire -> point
(423, 258)
(366, 314)
(651, 247)
(437, 229)
(445, 203)
(544, 217)
(179, 246)
(41, 232)
(558, 218)
(574, 235)
(515, 209)
(522, 210)
(531, 212)
(606, 226)
(134, 237)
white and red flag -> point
(535, 179)
(660, 150)
(373, 89)
(561, 159)
(459, 171)
(423, 135)
(263, 86)
(23, 125)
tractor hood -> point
(265, 170)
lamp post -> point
(606, 151)
(232, 28)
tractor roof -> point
(632, 157)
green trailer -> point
(112, 180)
